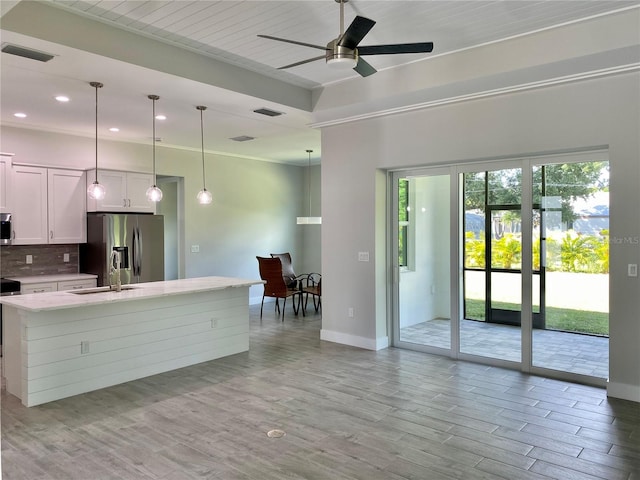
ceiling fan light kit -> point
(344, 52)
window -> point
(403, 222)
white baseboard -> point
(354, 340)
(623, 391)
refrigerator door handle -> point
(139, 248)
(134, 252)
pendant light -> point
(154, 194)
(309, 220)
(204, 196)
(95, 190)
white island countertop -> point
(39, 302)
(58, 277)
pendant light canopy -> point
(154, 194)
(309, 220)
(95, 190)
(204, 196)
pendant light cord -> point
(96, 85)
(202, 109)
(309, 179)
(154, 140)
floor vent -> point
(26, 52)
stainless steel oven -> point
(5, 229)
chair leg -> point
(261, 306)
(284, 305)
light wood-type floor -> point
(347, 413)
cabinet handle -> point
(124, 202)
(14, 235)
(39, 291)
(129, 203)
(51, 234)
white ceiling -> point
(227, 31)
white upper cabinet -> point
(5, 184)
(67, 214)
(48, 206)
(125, 192)
(29, 219)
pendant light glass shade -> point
(204, 196)
(95, 190)
(309, 220)
(154, 194)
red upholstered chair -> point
(271, 273)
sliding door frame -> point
(456, 233)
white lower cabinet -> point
(39, 288)
(57, 286)
(49, 206)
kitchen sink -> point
(88, 291)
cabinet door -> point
(137, 185)
(115, 184)
(67, 207)
(29, 220)
(5, 184)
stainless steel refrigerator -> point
(139, 239)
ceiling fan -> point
(344, 52)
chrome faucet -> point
(115, 260)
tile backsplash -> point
(47, 260)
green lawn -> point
(581, 321)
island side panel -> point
(77, 350)
(11, 350)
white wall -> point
(585, 114)
(253, 213)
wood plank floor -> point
(347, 413)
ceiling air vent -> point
(267, 112)
(242, 138)
(26, 52)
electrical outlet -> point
(29, 259)
(84, 347)
(214, 323)
(65, 258)
(350, 312)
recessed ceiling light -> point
(161, 117)
(114, 129)
(20, 115)
(62, 98)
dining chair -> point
(275, 287)
(290, 278)
(312, 286)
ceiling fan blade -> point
(364, 69)
(293, 41)
(424, 47)
(302, 62)
(356, 32)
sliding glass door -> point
(506, 263)
(423, 249)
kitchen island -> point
(60, 344)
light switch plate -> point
(363, 256)
(195, 248)
(66, 258)
(632, 270)
(29, 259)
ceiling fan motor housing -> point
(341, 57)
